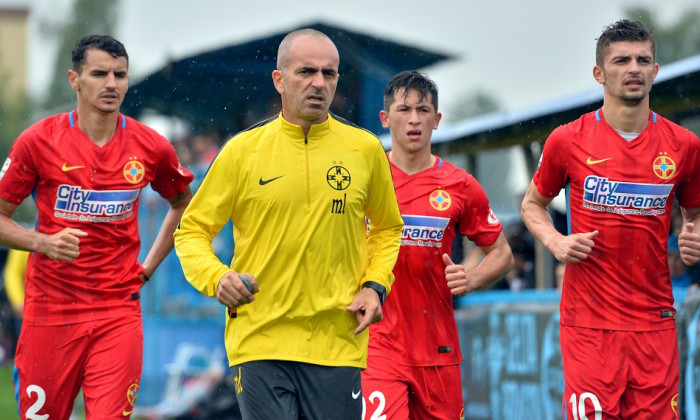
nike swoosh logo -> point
(126, 413)
(65, 168)
(593, 161)
(354, 395)
(267, 181)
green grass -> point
(7, 391)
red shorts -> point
(103, 357)
(409, 392)
(619, 374)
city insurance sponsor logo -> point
(423, 230)
(602, 194)
(75, 203)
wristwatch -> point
(381, 290)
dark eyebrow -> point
(632, 57)
(328, 71)
(101, 72)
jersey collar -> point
(316, 131)
(652, 115)
(71, 119)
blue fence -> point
(512, 365)
(174, 313)
(510, 341)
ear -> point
(384, 118)
(73, 79)
(278, 81)
(438, 117)
(598, 74)
(656, 70)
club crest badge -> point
(440, 200)
(674, 404)
(134, 171)
(131, 394)
(5, 167)
(338, 177)
(664, 167)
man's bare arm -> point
(164, 240)
(572, 248)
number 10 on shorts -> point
(578, 409)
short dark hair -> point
(99, 42)
(410, 80)
(623, 30)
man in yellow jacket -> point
(317, 225)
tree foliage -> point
(14, 114)
(674, 41)
(14, 117)
(87, 17)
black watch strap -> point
(381, 290)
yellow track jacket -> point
(298, 206)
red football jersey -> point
(419, 327)
(77, 184)
(625, 190)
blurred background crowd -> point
(200, 98)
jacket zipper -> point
(308, 175)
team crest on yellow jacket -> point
(440, 200)
(134, 171)
(664, 167)
(338, 177)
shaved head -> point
(283, 53)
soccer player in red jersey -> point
(86, 169)
(413, 369)
(622, 166)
